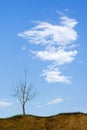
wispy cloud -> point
(5, 103)
(58, 46)
(51, 102)
(24, 48)
(39, 106)
(55, 101)
(47, 33)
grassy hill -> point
(66, 121)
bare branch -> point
(23, 92)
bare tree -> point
(23, 92)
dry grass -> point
(67, 121)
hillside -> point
(66, 121)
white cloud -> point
(60, 56)
(47, 33)
(55, 101)
(5, 104)
(52, 73)
(58, 46)
(54, 76)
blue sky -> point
(49, 39)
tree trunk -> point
(23, 106)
